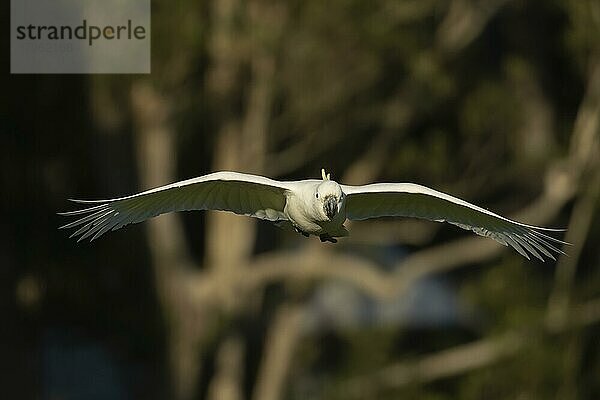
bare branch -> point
(317, 263)
(579, 226)
(242, 145)
(457, 360)
(223, 48)
(446, 363)
(157, 158)
(405, 231)
(585, 144)
(585, 147)
(279, 350)
(464, 21)
(170, 257)
(398, 113)
(586, 314)
(310, 146)
(229, 371)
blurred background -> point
(494, 101)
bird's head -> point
(329, 197)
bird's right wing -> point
(412, 200)
(244, 194)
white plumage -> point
(312, 207)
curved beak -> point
(330, 207)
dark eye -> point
(317, 195)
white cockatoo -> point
(312, 207)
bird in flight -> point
(312, 207)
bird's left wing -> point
(244, 194)
(412, 200)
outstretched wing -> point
(411, 200)
(243, 194)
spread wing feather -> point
(243, 194)
(412, 200)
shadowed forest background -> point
(494, 101)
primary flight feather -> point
(312, 207)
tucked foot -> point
(327, 238)
(301, 232)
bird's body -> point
(305, 213)
(311, 207)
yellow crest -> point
(325, 176)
